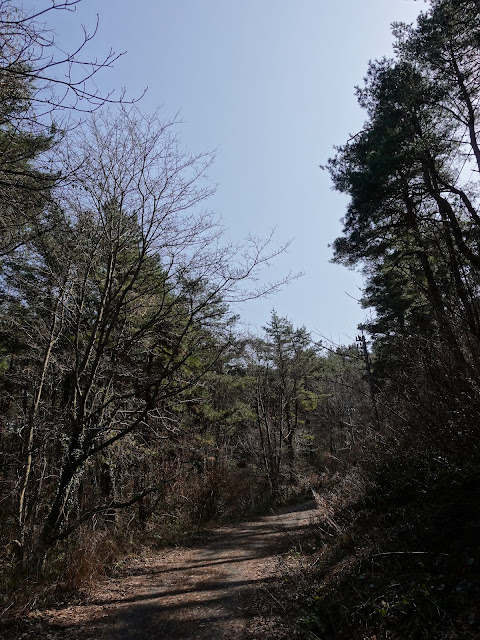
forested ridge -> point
(135, 410)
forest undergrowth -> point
(385, 560)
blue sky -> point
(270, 83)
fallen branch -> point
(408, 553)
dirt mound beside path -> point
(198, 592)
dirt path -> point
(199, 592)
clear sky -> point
(270, 83)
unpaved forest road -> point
(203, 592)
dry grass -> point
(379, 565)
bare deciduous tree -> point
(32, 65)
(132, 305)
(44, 91)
